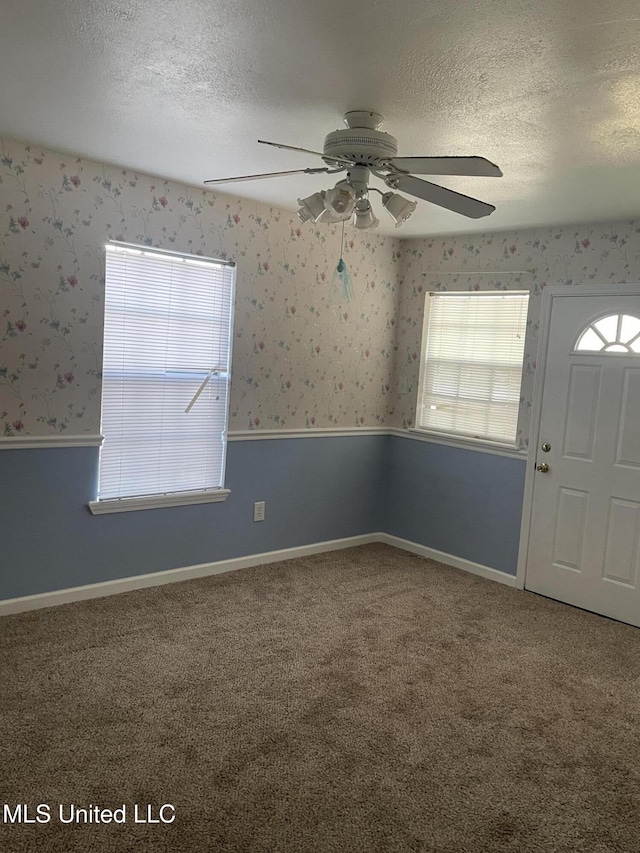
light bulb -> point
(340, 201)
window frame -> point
(576, 350)
(186, 497)
(456, 439)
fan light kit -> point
(362, 151)
(364, 216)
(398, 208)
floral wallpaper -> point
(304, 355)
(573, 255)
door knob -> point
(543, 468)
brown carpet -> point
(363, 700)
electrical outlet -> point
(258, 511)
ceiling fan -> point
(361, 151)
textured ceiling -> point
(548, 90)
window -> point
(613, 333)
(165, 381)
(471, 364)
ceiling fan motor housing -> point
(362, 145)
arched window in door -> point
(613, 333)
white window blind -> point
(471, 364)
(166, 372)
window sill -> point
(158, 501)
(469, 443)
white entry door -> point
(584, 538)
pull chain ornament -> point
(341, 287)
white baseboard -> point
(448, 559)
(98, 590)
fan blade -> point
(457, 202)
(289, 147)
(306, 151)
(271, 175)
(447, 166)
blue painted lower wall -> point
(315, 489)
(465, 503)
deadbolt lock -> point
(543, 468)
(546, 447)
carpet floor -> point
(364, 700)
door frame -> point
(549, 294)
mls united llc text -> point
(21, 813)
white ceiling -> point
(547, 89)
